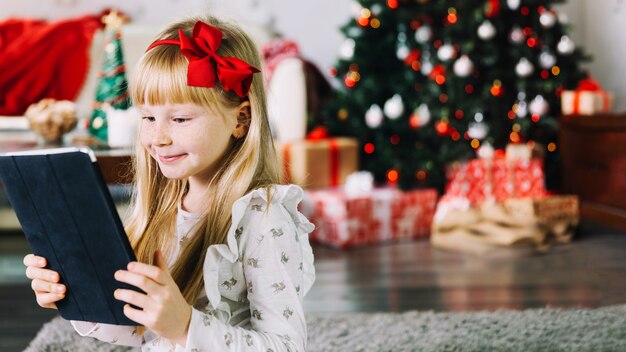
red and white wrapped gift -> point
(588, 99)
(380, 215)
(497, 179)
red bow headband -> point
(205, 64)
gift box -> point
(557, 215)
(588, 99)
(383, 215)
(498, 179)
(315, 163)
(515, 226)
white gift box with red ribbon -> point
(588, 99)
(385, 214)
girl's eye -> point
(180, 119)
(148, 118)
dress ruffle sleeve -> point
(268, 240)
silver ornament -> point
(374, 116)
(423, 114)
(445, 52)
(565, 46)
(524, 68)
(463, 66)
(546, 60)
(538, 106)
(477, 130)
(346, 50)
(402, 52)
(547, 19)
(394, 107)
(513, 4)
(486, 30)
(423, 34)
(517, 35)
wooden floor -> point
(586, 273)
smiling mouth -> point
(168, 159)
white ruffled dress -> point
(254, 283)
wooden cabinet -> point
(593, 155)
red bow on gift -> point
(589, 84)
(205, 64)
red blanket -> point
(43, 60)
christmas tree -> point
(112, 86)
(425, 83)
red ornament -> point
(414, 55)
(492, 8)
(392, 176)
(442, 128)
(438, 70)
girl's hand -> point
(165, 310)
(45, 282)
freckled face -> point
(184, 139)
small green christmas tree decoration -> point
(425, 83)
(112, 87)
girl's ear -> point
(244, 115)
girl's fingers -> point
(133, 297)
(137, 280)
(47, 287)
(135, 315)
(151, 271)
(42, 274)
(33, 260)
(46, 300)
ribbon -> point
(592, 86)
(206, 66)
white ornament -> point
(478, 116)
(565, 46)
(522, 109)
(538, 106)
(376, 9)
(477, 130)
(486, 151)
(423, 34)
(374, 116)
(446, 52)
(463, 66)
(423, 114)
(346, 50)
(513, 4)
(427, 68)
(517, 35)
(547, 19)
(546, 60)
(402, 52)
(486, 30)
(394, 107)
(524, 68)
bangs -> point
(161, 78)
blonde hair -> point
(248, 163)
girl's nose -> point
(161, 135)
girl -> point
(223, 254)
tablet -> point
(68, 217)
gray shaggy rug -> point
(555, 330)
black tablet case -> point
(68, 217)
